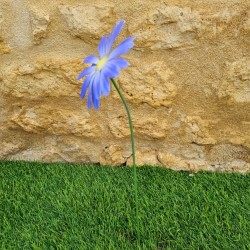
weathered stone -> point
(194, 165)
(112, 155)
(148, 83)
(237, 84)
(246, 25)
(19, 25)
(39, 23)
(233, 166)
(226, 23)
(3, 46)
(221, 154)
(43, 119)
(4, 49)
(196, 130)
(87, 22)
(43, 78)
(144, 127)
(167, 27)
(144, 158)
(177, 163)
(72, 149)
(9, 148)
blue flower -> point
(107, 66)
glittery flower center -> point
(101, 63)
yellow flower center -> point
(101, 63)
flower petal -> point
(85, 86)
(115, 32)
(96, 90)
(90, 97)
(102, 46)
(110, 70)
(121, 63)
(96, 103)
(96, 86)
(105, 85)
(122, 48)
(87, 82)
(91, 59)
(86, 72)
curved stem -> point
(133, 155)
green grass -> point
(66, 206)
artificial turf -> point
(67, 206)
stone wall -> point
(188, 85)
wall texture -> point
(188, 84)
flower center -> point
(101, 63)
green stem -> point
(133, 155)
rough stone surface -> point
(145, 90)
(39, 23)
(87, 22)
(112, 155)
(188, 83)
(3, 47)
(237, 85)
(62, 121)
(168, 27)
(44, 77)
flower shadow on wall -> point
(98, 75)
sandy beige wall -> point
(188, 85)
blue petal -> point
(96, 103)
(122, 48)
(121, 63)
(105, 85)
(110, 70)
(86, 72)
(96, 90)
(85, 86)
(96, 87)
(115, 32)
(102, 46)
(90, 92)
(91, 59)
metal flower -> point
(107, 66)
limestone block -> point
(246, 25)
(236, 85)
(43, 119)
(1, 23)
(144, 127)
(144, 158)
(226, 23)
(75, 149)
(88, 22)
(148, 83)
(170, 160)
(194, 165)
(112, 155)
(37, 154)
(167, 27)
(4, 48)
(196, 130)
(233, 166)
(9, 148)
(188, 151)
(223, 153)
(119, 127)
(44, 78)
(39, 22)
(175, 162)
